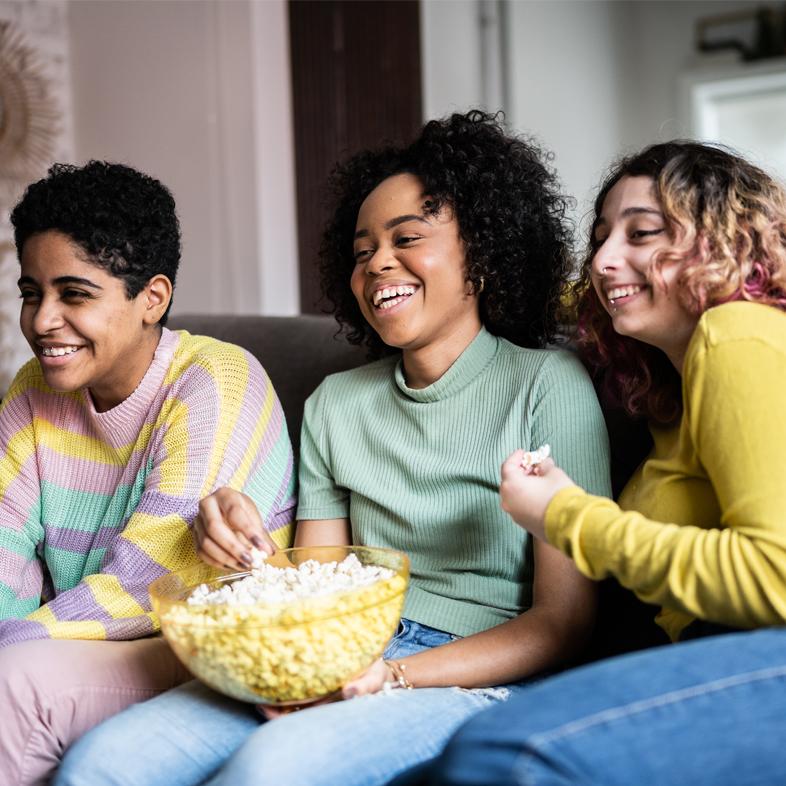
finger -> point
(210, 552)
(214, 555)
(241, 515)
(370, 681)
(546, 466)
(213, 558)
(218, 538)
(512, 463)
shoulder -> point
(739, 326)
(221, 360)
(553, 364)
(28, 379)
(29, 376)
(359, 383)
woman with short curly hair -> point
(110, 435)
(435, 252)
(687, 267)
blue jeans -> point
(710, 712)
(190, 734)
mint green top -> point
(418, 470)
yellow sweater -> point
(701, 526)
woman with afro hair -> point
(110, 436)
(446, 258)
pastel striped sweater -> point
(94, 506)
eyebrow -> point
(632, 211)
(85, 282)
(394, 222)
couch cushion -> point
(297, 352)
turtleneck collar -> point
(471, 362)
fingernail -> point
(245, 558)
(258, 542)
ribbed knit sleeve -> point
(566, 416)
(320, 495)
(214, 420)
(722, 557)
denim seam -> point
(618, 713)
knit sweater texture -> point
(96, 505)
(419, 470)
(701, 526)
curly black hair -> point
(123, 220)
(511, 218)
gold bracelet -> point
(397, 670)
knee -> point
(27, 677)
(481, 753)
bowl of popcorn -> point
(293, 629)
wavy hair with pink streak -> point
(727, 220)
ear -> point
(156, 297)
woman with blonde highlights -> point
(682, 319)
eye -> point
(363, 253)
(406, 240)
(29, 295)
(640, 234)
(75, 294)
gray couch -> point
(297, 352)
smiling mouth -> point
(56, 352)
(391, 296)
(616, 294)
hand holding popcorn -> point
(528, 486)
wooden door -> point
(356, 82)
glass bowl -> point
(284, 652)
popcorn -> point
(291, 634)
(532, 458)
(270, 584)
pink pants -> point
(53, 691)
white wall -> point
(172, 88)
(450, 56)
(590, 79)
(567, 66)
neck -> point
(118, 388)
(676, 350)
(425, 365)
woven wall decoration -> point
(29, 117)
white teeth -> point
(391, 292)
(56, 352)
(618, 292)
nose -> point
(384, 259)
(606, 259)
(47, 316)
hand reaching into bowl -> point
(227, 529)
(525, 491)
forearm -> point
(113, 604)
(527, 645)
(327, 532)
(735, 576)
